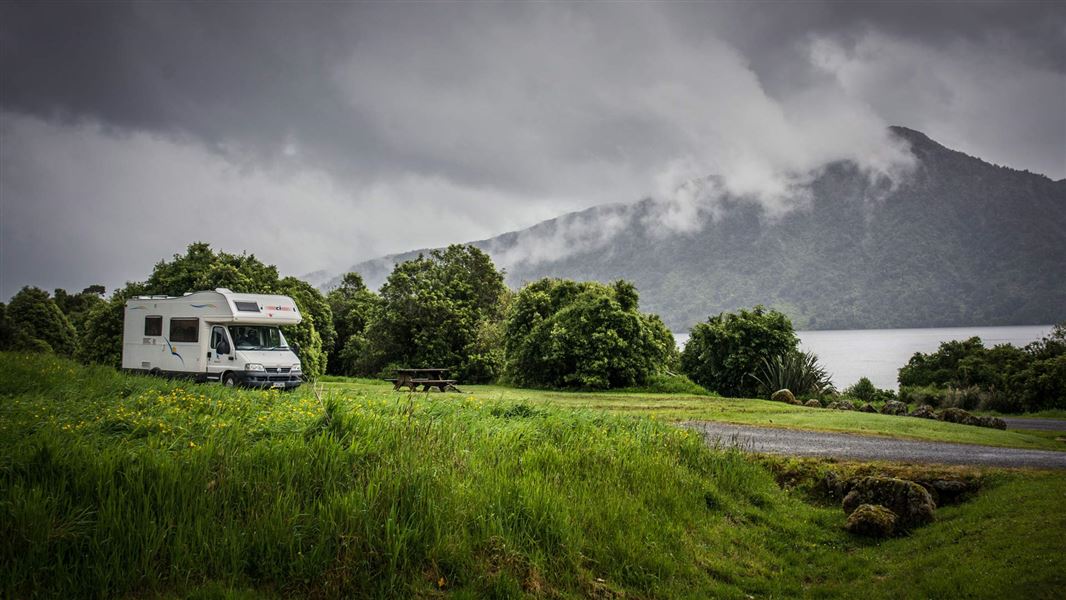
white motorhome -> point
(213, 336)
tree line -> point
(451, 309)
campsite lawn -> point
(674, 407)
(130, 486)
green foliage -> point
(33, 322)
(1003, 378)
(563, 333)
(354, 306)
(863, 389)
(669, 383)
(77, 306)
(200, 268)
(724, 353)
(798, 372)
(432, 313)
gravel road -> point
(866, 447)
(1038, 424)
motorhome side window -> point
(184, 330)
(153, 326)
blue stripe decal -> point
(173, 351)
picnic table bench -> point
(427, 378)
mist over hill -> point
(953, 241)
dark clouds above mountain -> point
(316, 135)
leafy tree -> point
(561, 333)
(432, 312)
(200, 268)
(1004, 378)
(353, 306)
(77, 306)
(35, 323)
(724, 353)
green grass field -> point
(128, 486)
(674, 407)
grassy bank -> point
(680, 407)
(112, 485)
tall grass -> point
(125, 486)
(113, 485)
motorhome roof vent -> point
(187, 294)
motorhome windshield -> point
(257, 337)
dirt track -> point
(866, 447)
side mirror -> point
(222, 347)
(295, 348)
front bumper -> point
(264, 380)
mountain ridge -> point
(957, 241)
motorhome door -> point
(217, 362)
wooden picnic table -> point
(427, 378)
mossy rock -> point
(924, 412)
(911, 502)
(894, 407)
(955, 415)
(812, 403)
(867, 408)
(841, 405)
(872, 520)
(992, 422)
(785, 396)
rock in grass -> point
(841, 405)
(867, 408)
(871, 520)
(993, 422)
(894, 407)
(955, 415)
(949, 491)
(785, 396)
(812, 403)
(911, 502)
(924, 412)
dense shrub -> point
(724, 353)
(435, 311)
(864, 390)
(965, 374)
(796, 371)
(562, 333)
(33, 322)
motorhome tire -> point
(229, 379)
(156, 372)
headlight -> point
(296, 368)
(254, 367)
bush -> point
(35, 323)
(796, 371)
(918, 395)
(562, 333)
(1003, 378)
(724, 353)
(669, 383)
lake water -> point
(879, 353)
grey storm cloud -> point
(319, 134)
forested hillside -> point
(956, 241)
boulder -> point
(842, 405)
(993, 422)
(784, 396)
(955, 415)
(894, 407)
(871, 520)
(924, 412)
(867, 408)
(912, 503)
(949, 491)
(812, 403)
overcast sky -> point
(318, 135)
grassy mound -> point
(115, 485)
